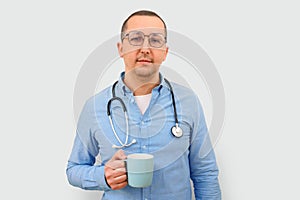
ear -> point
(166, 53)
(120, 49)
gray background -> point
(254, 45)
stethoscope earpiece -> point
(133, 141)
(124, 145)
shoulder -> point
(184, 92)
(181, 88)
(187, 99)
(99, 98)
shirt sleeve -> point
(81, 169)
(203, 167)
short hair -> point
(142, 13)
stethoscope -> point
(175, 130)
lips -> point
(143, 60)
(147, 61)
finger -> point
(119, 185)
(120, 179)
(119, 172)
(110, 172)
(113, 182)
(119, 155)
(115, 164)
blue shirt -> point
(176, 160)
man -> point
(147, 97)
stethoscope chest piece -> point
(176, 131)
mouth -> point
(144, 61)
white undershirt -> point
(143, 102)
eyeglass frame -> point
(127, 35)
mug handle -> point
(125, 163)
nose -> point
(145, 48)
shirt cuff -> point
(100, 178)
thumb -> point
(119, 155)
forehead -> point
(147, 24)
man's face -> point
(143, 60)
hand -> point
(115, 171)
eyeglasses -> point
(136, 38)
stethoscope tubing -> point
(176, 130)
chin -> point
(145, 71)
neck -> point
(141, 85)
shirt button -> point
(143, 122)
(132, 100)
(144, 147)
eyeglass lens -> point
(136, 38)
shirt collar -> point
(121, 85)
(124, 89)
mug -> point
(139, 168)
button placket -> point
(146, 193)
